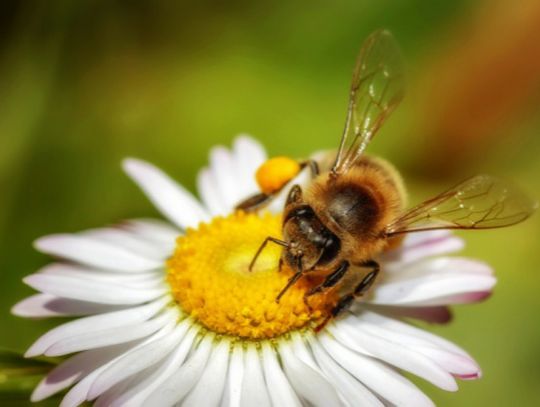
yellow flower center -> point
(210, 280)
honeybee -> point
(354, 207)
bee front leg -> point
(362, 287)
(331, 280)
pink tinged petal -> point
(435, 267)
(380, 378)
(248, 156)
(73, 369)
(79, 393)
(208, 190)
(308, 383)
(281, 392)
(103, 292)
(89, 324)
(430, 291)
(420, 245)
(446, 354)
(106, 337)
(235, 376)
(358, 339)
(351, 390)
(138, 391)
(47, 305)
(209, 388)
(92, 252)
(175, 387)
(138, 360)
(106, 399)
(254, 389)
(433, 315)
(174, 202)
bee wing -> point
(481, 202)
(376, 89)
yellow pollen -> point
(273, 174)
(210, 280)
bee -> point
(354, 206)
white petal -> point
(352, 391)
(175, 387)
(89, 324)
(145, 279)
(209, 388)
(307, 382)
(445, 289)
(130, 241)
(73, 369)
(139, 359)
(208, 190)
(154, 230)
(46, 305)
(254, 389)
(235, 376)
(174, 202)
(392, 352)
(281, 392)
(248, 155)
(79, 393)
(420, 245)
(386, 382)
(106, 337)
(224, 175)
(87, 250)
(138, 392)
(94, 291)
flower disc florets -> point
(210, 280)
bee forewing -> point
(376, 89)
(481, 202)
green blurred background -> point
(84, 84)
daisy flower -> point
(168, 313)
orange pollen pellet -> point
(275, 173)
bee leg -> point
(289, 284)
(313, 167)
(260, 200)
(331, 280)
(346, 301)
(254, 202)
(368, 280)
(263, 245)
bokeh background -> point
(84, 84)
